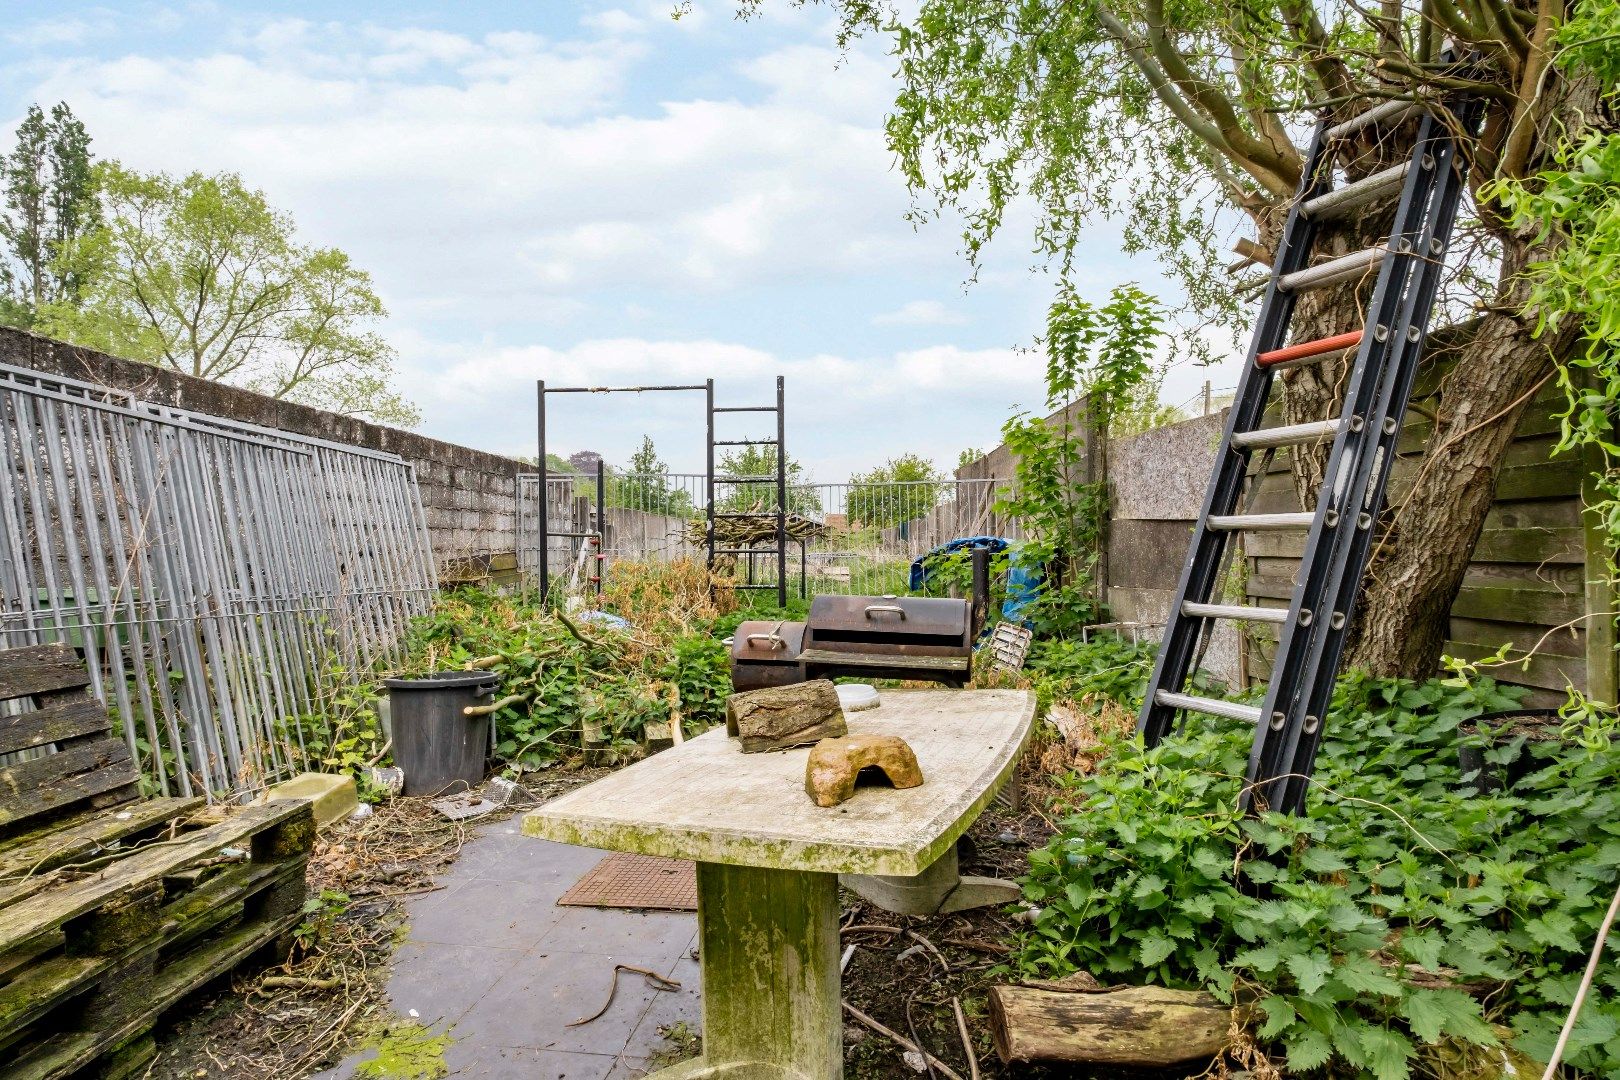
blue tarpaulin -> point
(1024, 580)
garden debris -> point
(654, 980)
(836, 764)
(1009, 647)
(743, 532)
(779, 717)
(1137, 1026)
(465, 805)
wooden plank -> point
(885, 660)
(65, 842)
(30, 788)
(1568, 643)
(54, 723)
(1602, 599)
(46, 911)
(1532, 546)
(40, 669)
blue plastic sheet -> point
(1024, 579)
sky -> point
(592, 194)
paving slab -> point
(491, 960)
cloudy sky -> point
(589, 194)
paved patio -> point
(492, 960)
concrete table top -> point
(707, 801)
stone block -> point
(333, 795)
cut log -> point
(1143, 1026)
(777, 717)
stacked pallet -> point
(113, 908)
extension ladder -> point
(1339, 529)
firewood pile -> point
(752, 531)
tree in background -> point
(49, 206)
(645, 485)
(1181, 118)
(901, 489)
(761, 495)
(201, 275)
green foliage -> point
(319, 913)
(1106, 666)
(761, 495)
(1103, 355)
(202, 275)
(1405, 912)
(49, 206)
(901, 489)
(645, 485)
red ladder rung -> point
(1309, 348)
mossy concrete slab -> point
(333, 794)
(707, 801)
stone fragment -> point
(834, 765)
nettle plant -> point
(1409, 926)
(1098, 359)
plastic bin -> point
(440, 748)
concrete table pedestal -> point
(938, 890)
(769, 862)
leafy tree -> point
(901, 489)
(49, 206)
(645, 485)
(1182, 119)
(761, 495)
(201, 275)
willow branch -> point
(1522, 129)
(1328, 67)
(1201, 127)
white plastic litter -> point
(856, 697)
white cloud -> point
(613, 21)
(920, 313)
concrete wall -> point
(1157, 481)
(470, 496)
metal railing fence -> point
(209, 570)
(854, 537)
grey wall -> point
(469, 495)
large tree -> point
(200, 274)
(1184, 117)
(49, 206)
(901, 489)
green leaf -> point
(1387, 1053)
(1280, 1016)
(1154, 949)
(1555, 928)
(1310, 969)
(1307, 1049)
(1433, 1014)
(1264, 959)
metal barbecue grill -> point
(889, 637)
(766, 654)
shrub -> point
(1406, 921)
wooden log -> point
(1142, 1026)
(777, 717)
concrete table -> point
(768, 860)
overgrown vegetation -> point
(1410, 925)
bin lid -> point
(444, 680)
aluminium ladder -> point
(1339, 529)
(745, 483)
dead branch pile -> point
(751, 531)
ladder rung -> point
(745, 479)
(1310, 350)
(744, 517)
(746, 551)
(745, 442)
(1249, 714)
(1258, 522)
(1333, 271)
(1287, 435)
(1388, 111)
(744, 408)
(1360, 193)
(1234, 611)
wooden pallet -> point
(111, 908)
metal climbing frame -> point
(778, 482)
(744, 484)
(1288, 724)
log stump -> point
(1140, 1026)
(779, 717)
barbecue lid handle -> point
(893, 609)
(775, 640)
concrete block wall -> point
(470, 496)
